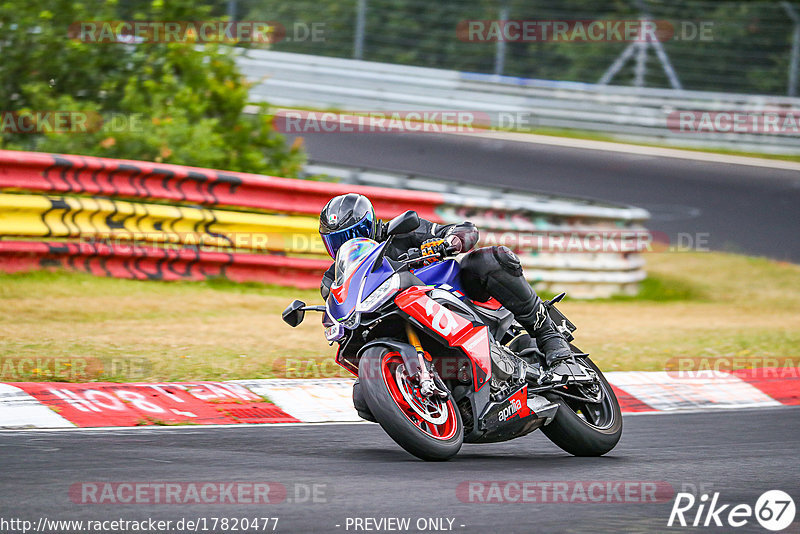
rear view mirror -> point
(403, 223)
(294, 313)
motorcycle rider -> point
(485, 272)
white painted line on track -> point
(609, 146)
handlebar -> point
(414, 255)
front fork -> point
(427, 385)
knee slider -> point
(507, 260)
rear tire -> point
(378, 373)
(574, 434)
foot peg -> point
(560, 354)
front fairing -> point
(343, 299)
(455, 329)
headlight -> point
(380, 295)
(352, 322)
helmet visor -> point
(336, 239)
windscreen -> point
(350, 256)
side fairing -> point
(471, 338)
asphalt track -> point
(733, 207)
(737, 453)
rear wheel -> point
(427, 427)
(586, 428)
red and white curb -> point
(105, 404)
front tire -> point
(584, 429)
(360, 404)
(430, 429)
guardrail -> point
(141, 220)
(628, 113)
(587, 247)
(57, 173)
(56, 216)
(155, 263)
(149, 221)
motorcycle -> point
(437, 369)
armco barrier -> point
(150, 221)
(100, 218)
(35, 171)
(156, 263)
(630, 113)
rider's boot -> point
(549, 340)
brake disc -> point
(432, 410)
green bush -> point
(172, 102)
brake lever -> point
(420, 259)
(408, 260)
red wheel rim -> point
(443, 431)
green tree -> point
(183, 104)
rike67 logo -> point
(774, 510)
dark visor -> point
(336, 239)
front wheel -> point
(586, 428)
(429, 428)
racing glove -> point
(434, 247)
